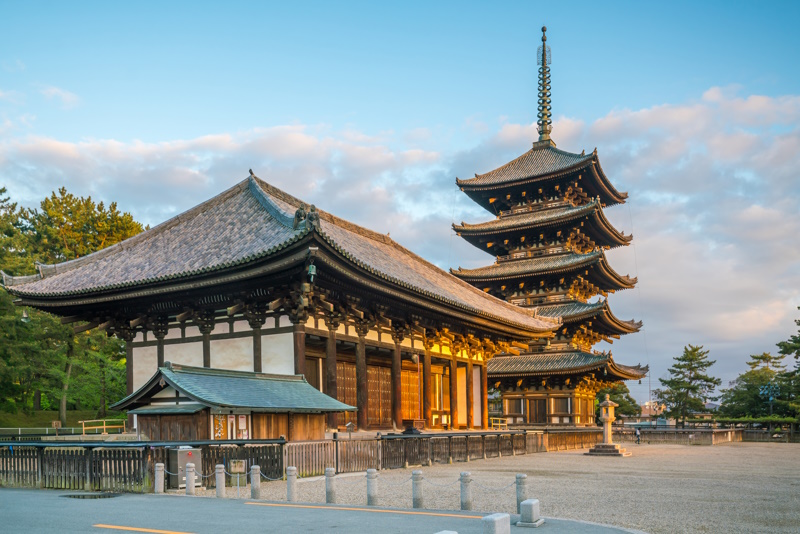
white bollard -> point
(190, 479)
(330, 485)
(219, 476)
(496, 524)
(466, 490)
(255, 482)
(291, 484)
(522, 490)
(158, 485)
(530, 514)
(372, 487)
(417, 498)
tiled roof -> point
(543, 159)
(538, 265)
(548, 363)
(246, 223)
(217, 388)
(529, 219)
(169, 409)
(570, 310)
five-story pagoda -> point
(549, 238)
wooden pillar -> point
(397, 398)
(362, 398)
(484, 396)
(126, 334)
(160, 327)
(453, 393)
(427, 393)
(299, 333)
(257, 349)
(331, 385)
(205, 323)
(470, 397)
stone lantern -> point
(607, 448)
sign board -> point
(237, 467)
(56, 424)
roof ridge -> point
(46, 270)
(189, 369)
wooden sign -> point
(56, 424)
(237, 467)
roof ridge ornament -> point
(543, 59)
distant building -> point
(549, 238)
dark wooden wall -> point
(174, 427)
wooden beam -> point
(236, 308)
(72, 319)
(84, 327)
(138, 321)
(106, 325)
(275, 304)
(181, 317)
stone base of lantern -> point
(607, 449)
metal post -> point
(416, 489)
(466, 490)
(159, 482)
(255, 482)
(190, 479)
(330, 485)
(291, 484)
(219, 476)
(372, 487)
(522, 490)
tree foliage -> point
(688, 386)
(43, 363)
(744, 397)
(620, 394)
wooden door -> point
(346, 391)
(379, 390)
(410, 394)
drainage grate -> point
(104, 495)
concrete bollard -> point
(496, 524)
(158, 485)
(372, 487)
(466, 490)
(291, 484)
(190, 479)
(219, 476)
(255, 482)
(529, 514)
(522, 490)
(417, 498)
(330, 485)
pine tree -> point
(688, 386)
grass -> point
(43, 418)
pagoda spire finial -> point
(543, 60)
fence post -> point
(466, 491)
(219, 476)
(158, 487)
(88, 453)
(372, 487)
(449, 449)
(522, 490)
(416, 490)
(189, 479)
(40, 468)
(291, 484)
(330, 485)
(255, 482)
(483, 445)
(529, 514)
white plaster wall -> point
(166, 393)
(241, 326)
(185, 353)
(174, 333)
(311, 323)
(461, 380)
(234, 354)
(284, 321)
(269, 323)
(341, 330)
(277, 354)
(221, 328)
(192, 331)
(145, 365)
(139, 337)
(373, 335)
(476, 396)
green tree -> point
(689, 385)
(40, 356)
(744, 397)
(791, 347)
(789, 381)
(619, 393)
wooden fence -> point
(565, 440)
(672, 436)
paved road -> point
(28, 511)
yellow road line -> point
(137, 529)
(373, 510)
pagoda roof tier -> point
(599, 226)
(601, 273)
(247, 232)
(542, 162)
(599, 312)
(561, 363)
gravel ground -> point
(742, 487)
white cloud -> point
(68, 100)
(712, 184)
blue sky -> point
(371, 110)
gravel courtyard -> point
(742, 487)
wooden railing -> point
(310, 457)
(102, 424)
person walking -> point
(638, 436)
